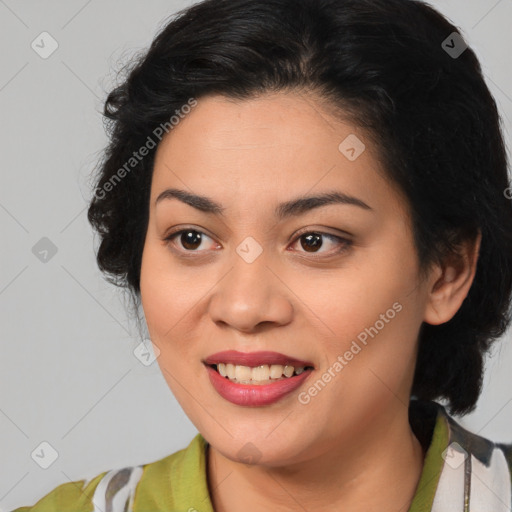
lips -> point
(255, 395)
(263, 393)
(254, 359)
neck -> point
(378, 472)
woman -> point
(309, 200)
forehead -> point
(291, 124)
(272, 147)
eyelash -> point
(345, 243)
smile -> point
(259, 375)
(255, 395)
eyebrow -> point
(294, 207)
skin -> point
(351, 447)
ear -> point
(450, 282)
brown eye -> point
(189, 239)
(313, 241)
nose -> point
(252, 297)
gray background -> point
(68, 373)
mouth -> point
(258, 375)
(256, 368)
(255, 378)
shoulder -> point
(115, 490)
(103, 492)
(482, 450)
(77, 494)
(481, 468)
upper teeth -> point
(258, 373)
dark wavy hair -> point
(385, 66)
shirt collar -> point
(181, 479)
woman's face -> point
(262, 277)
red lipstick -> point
(255, 395)
(254, 358)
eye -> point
(191, 240)
(312, 240)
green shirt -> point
(178, 482)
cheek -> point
(375, 311)
(354, 300)
(170, 301)
(162, 299)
